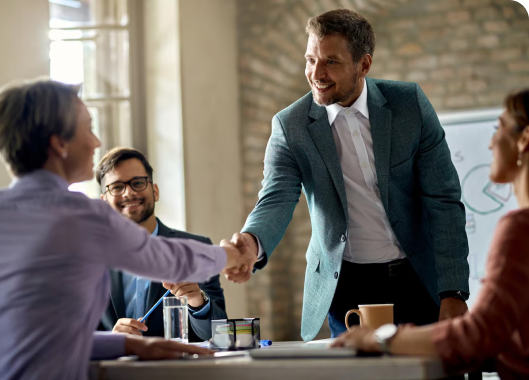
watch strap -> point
(463, 296)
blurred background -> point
(195, 83)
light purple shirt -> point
(56, 247)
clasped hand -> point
(242, 255)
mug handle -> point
(354, 311)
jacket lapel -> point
(116, 295)
(321, 134)
(380, 120)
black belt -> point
(400, 267)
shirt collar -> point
(155, 232)
(359, 105)
(40, 178)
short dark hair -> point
(517, 104)
(30, 113)
(353, 26)
(119, 154)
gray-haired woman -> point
(56, 246)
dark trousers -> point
(395, 283)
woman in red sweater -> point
(497, 328)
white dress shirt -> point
(370, 238)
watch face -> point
(386, 331)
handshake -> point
(242, 253)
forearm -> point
(132, 249)
(415, 341)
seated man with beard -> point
(126, 180)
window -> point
(89, 44)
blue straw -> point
(155, 305)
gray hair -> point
(30, 113)
(353, 26)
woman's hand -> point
(160, 349)
(360, 338)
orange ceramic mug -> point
(372, 316)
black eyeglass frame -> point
(129, 183)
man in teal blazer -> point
(384, 197)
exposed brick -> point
(505, 54)
(441, 6)
(409, 49)
(476, 3)
(467, 30)
(457, 17)
(391, 76)
(489, 41)
(458, 45)
(508, 12)
(442, 75)
(499, 26)
(432, 20)
(426, 62)
(460, 101)
(475, 86)
(487, 13)
(416, 76)
(405, 24)
(519, 66)
(455, 86)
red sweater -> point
(498, 326)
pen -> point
(155, 305)
(265, 343)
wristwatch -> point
(205, 298)
(383, 336)
(455, 294)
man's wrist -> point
(462, 296)
(204, 298)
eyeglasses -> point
(136, 184)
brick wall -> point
(464, 54)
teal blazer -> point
(418, 184)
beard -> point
(338, 97)
(145, 214)
(141, 217)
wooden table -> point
(387, 368)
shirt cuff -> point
(107, 345)
(261, 253)
(202, 312)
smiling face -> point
(135, 205)
(331, 72)
(504, 146)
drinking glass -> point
(175, 319)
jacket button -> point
(335, 275)
(342, 239)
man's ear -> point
(523, 141)
(58, 146)
(365, 65)
(156, 192)
(102, 196)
